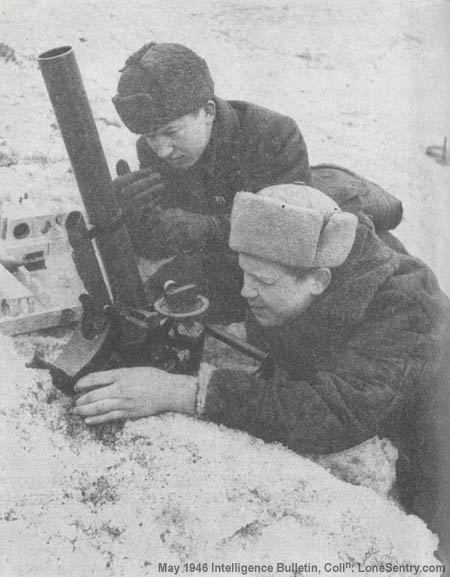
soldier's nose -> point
(248, 291)
(161, 145)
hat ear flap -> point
(336, 239)
(137, 112)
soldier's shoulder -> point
(250, 113)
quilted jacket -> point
(369, 357)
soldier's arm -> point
(348, 400)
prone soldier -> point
(359, 334)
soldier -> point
(359, 334)
(195, 152)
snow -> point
(119, 500)
(368, 83)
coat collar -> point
(354, 284)
(224, 143)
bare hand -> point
(132, 393)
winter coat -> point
(367, 358)
(251, 147)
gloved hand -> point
(139, 191)
(175, 230)
(158, 232)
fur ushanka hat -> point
(292, 224)
(161, 82)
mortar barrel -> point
(76, 122)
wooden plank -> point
(40, 320)
(10, 287)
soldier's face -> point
(274, 294)
(182, 141)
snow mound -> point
(120, 499)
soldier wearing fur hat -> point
(359, 335)
(195, 152)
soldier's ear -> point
(320, 279)
(210, 111)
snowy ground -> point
(119, 501)
(368, 82)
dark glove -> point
(175, 231)
(139, 191)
